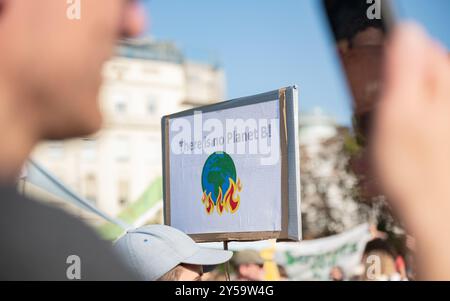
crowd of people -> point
(50, 74)
(380, 262)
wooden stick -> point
(227, 264)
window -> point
(89, 150)
(119, 101)
(123, 193)
(90, 188)
(152, 106)
(123, 148)
(120, 107)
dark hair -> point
(379, 244)
(362, 125)
(349, 17)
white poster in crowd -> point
(313, 260)
(228, 177)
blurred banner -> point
(35, 174)
(313, 260)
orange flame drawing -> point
(208, 202)
(220, 205)
(229, 202)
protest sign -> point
(313, 260)
(231, 170)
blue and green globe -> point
(218, 169)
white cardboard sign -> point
(226, 169)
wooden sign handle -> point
(227, 264)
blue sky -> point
(264, 45)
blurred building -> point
(316, 126)
(146, 80)
(329, 203)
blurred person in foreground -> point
(411, 143)
(401, 90)
(163, 253)
(50, 74)
(360, 45)
(248, 266)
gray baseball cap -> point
(154, 250)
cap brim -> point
(209, 257)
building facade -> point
(145, 81)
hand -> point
(412, 141)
